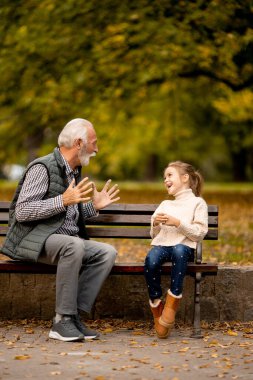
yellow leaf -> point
(22, 357)
(232, 333)
(248, 331)
(29, 331)
(108, 330)
(183, 349)
(204, 365)
(213, 343)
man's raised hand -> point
(106, 196)
(76, 194)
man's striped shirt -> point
(31, 205)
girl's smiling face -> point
(174, 181)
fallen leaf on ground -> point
(232, 333)
(185, 349)
(29, 331)
(22, 357)
(106, 331)
(138, 333)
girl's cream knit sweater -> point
(192, 212)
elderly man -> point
(47, 224)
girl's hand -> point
(166, 219)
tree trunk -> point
(32, 144)
(152, 167)
(239, 165)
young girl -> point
(176, 227)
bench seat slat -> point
(138, 268)
(11, 266)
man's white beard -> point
(85, 158)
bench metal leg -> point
(196, 321)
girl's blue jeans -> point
(179, 255)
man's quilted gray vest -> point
(26, 240)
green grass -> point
(158, 185)
(229, 187)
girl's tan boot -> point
(156, 310)
(167, 319)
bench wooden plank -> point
(13, 266)
(133, 219)
(132, 233)
(141, 208)
(3, 230)
(120, 220)
(124, 208)
(119, 233)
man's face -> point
(88, 150)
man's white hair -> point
(73, 130)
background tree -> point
(161, 80)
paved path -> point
(26, 352)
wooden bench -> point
(125, 221)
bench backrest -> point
(122, 221)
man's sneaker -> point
(88, 333)
(65, 330)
